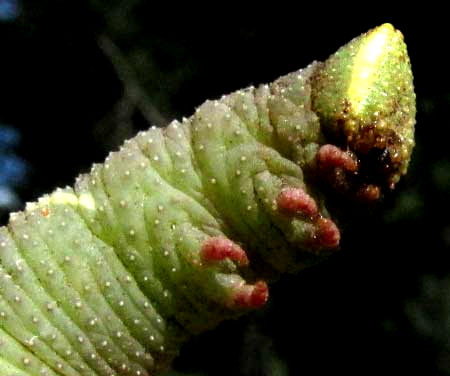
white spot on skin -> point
(19, 266)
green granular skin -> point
(110, 277)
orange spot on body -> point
(45, 211)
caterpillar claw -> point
(219, 248)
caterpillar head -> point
(364, 97)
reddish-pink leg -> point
(218, 248)
(334, 164)
(250, 296)
(296, 200)
(328, 233)
(330, 156)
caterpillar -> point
(184, 226)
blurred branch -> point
(135, 97)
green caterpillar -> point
(183, 227)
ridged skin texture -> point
(179, 230)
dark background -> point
(78, 77)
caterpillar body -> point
(183, 226)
